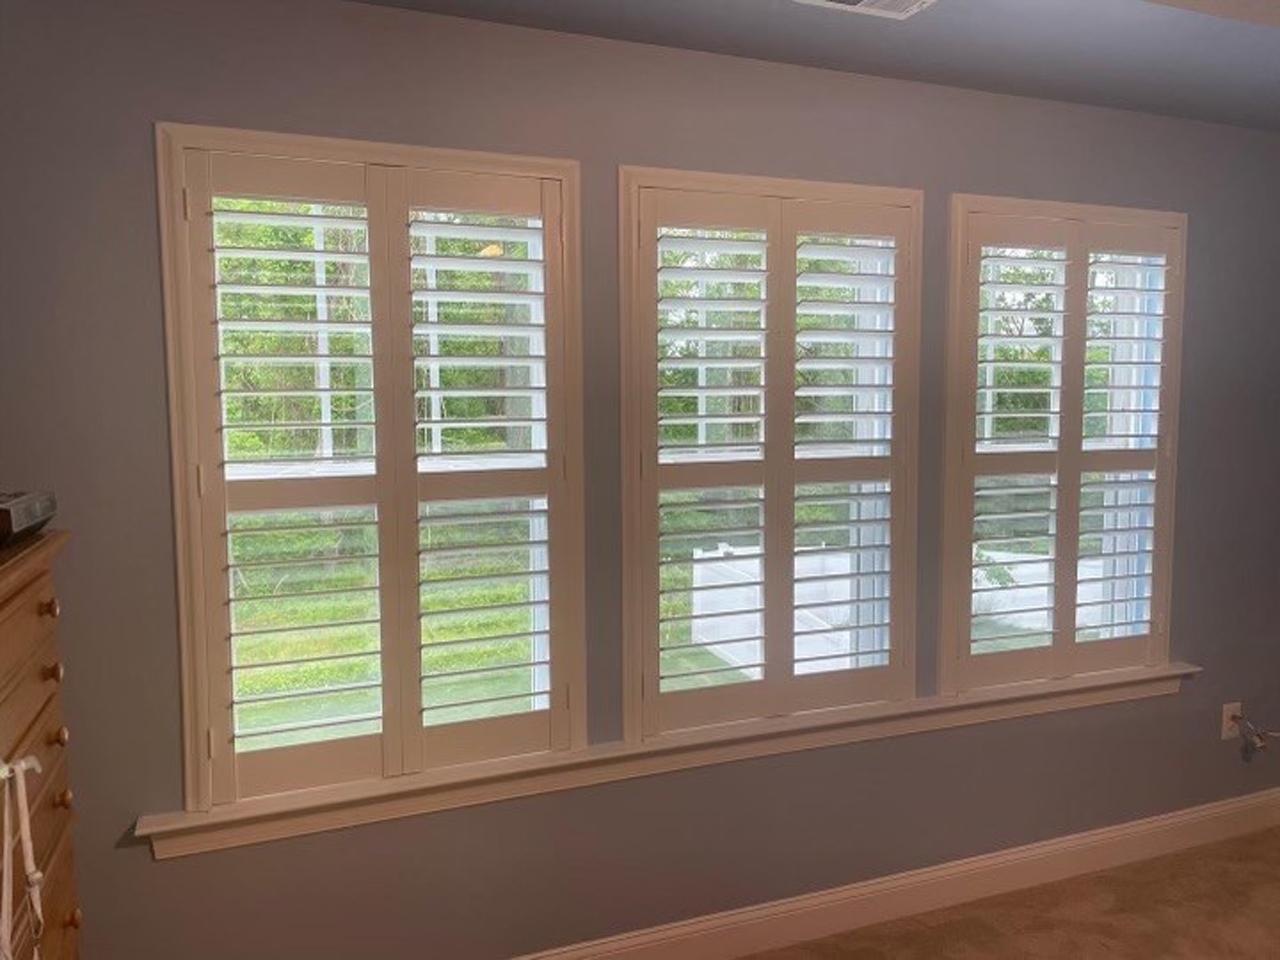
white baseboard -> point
(736, 933)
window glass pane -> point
(841, 617)
(711, 348)
(1022, 299)
(479, 339)
(485, 608)
(1124, 350)
(305, 625)
(1014, 535)
(844, 345)
(294, 337)
(1117, 539)
(711, 587)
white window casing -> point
(375, 353)
(771, 339)
(1063, 363)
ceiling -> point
(1164, 57)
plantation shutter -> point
(497, 582)
(299, 570)
(390, 533)
(1062, 433)
(772, 493)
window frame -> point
(388, 172)
(1078, 229)
(645, 717)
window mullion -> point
(779, 464)
(1070, 443)
(395, 348)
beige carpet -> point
(1212, 903)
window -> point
(1062, 428)
(375, 382)
(771, 358)
(376, 350)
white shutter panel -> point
(1067, 470)
(497, 549)
(772, 489)
(293, 530)
(295, 351)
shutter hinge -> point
(186, 204)
(199, 480)
(209, 742)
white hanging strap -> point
(16, 773)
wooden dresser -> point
(32, 724)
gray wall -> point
(83, 411)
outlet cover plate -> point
(1229, 729)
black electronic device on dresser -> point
(23, 513)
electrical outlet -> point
(1229, 728)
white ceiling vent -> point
(894, 9)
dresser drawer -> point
(34, 683)
(46, 740)
(50, 817)
(62, 916)
(25, 619)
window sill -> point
(345, 805)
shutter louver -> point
(479, 337)
(844, 345)
(294, 338)
(711, 587)
(305, 625)
(1116, 557)
(842, 576)
(1022, 304)
(1123, 351)
(485, 608)
(711, 344)
(1014, 539)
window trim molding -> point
(956, 523)
(631, 181)
(172, 140)
(298, 813)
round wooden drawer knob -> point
(55, 672)
(50, 608)
(75, 918)
(60, 737)
(64, 799)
